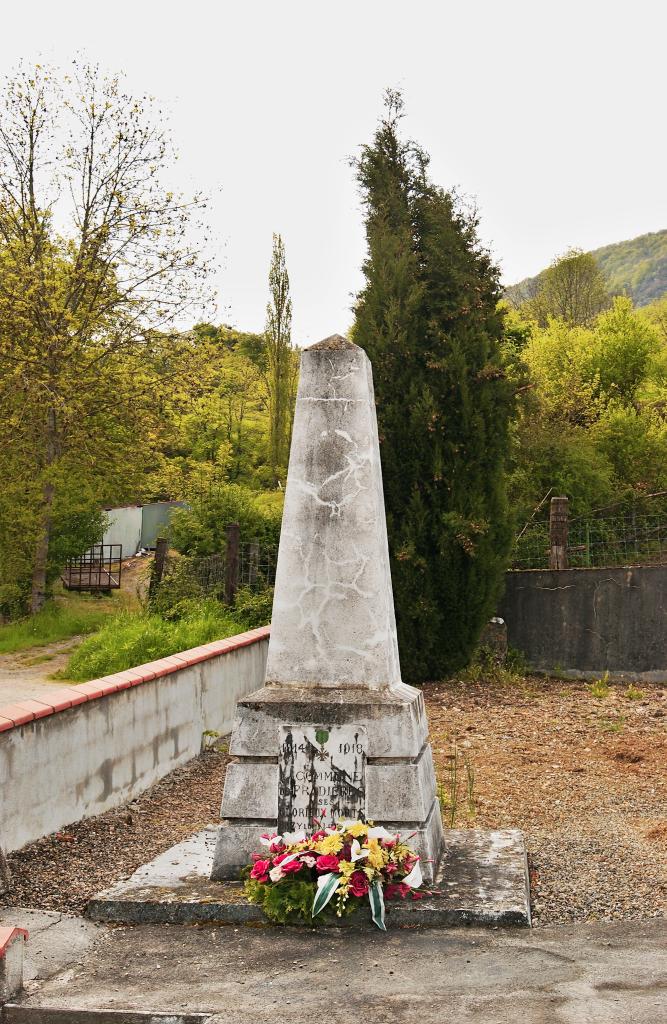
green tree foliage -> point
(428, 318)
(573, 289)
(281, 367)
(93, 259)
(201, 529)
(593, 421)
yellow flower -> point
(330, 844)
(376, 856)
(346, 867)
(358, 829)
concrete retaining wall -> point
(588, 621)
(82, 750)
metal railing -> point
(99, 568)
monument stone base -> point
(482, 880)
(352, 751)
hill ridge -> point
(636, 267)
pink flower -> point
(390, 868)
(260, 870)
(358, 883)
(309, 861)
(327, 862)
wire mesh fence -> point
(632, 536)
(251, 566)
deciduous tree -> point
(95, 258)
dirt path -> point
(25, 674)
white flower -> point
(414, 879)
(309, 861)
(275, 874)
(356, 853)
(378, 832)
(290, 838)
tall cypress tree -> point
(428, 319)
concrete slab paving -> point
(55, 940)
(483, 880)
(579, 974)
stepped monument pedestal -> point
(334, 733)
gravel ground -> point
(584, 778)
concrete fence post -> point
(558, 530)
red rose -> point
(260, 869)
(358, 883)
(327, 862)
(292, 867)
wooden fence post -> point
(558, 530)
(232, 563)
(158, 565)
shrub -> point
(202, 529)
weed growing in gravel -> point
(600, 687)
(613, 724)
(450, 793)
(213, 740)
(634, 693)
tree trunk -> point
(38, 593)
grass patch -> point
(129, 640)
(60, 619)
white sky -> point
(551, 116)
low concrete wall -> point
(588, 621)
(82, 750)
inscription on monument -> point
(320, 768)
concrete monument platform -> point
(482, 880)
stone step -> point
(483, 880)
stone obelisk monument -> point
(334, 732)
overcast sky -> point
(551, 116)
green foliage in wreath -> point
(290, 901)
